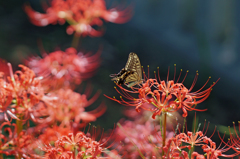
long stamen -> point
(179, 76)
(194, 81)
(185, 76)
(168, 73)
(158, 75)
(148, 71)
(174, 72)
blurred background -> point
(195, 35)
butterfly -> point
(131, 74)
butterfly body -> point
(131, 74)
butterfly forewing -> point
(134, 66)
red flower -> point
(5, 100)
(20, 93)
(165, 96)
(13, 143)
(136, 138)
(178, 145)
(67, 107)
(80, 14)
(64, 68)
(233, 141)
(71, 146)
(51, 134)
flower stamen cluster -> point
(67, 107)
(20, 93)
(66, 69)
(80, 14)
(178, 145)
(11, 142)
(74, 146)
(165, 96)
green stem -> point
(19, 126)
(164, 125)
(19, 130)
(74, 152)
(75, 41)
(191, 151)
(1, 155)
(184, 122)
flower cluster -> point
(234, 139)
(59, 113)
(176, 147)
(43, 116)
(27, 98)
(164, 96)
(56, 142)
(67, 146)
(66, 107)
(67, 68)
(13, 141)
(81, 15)
(20, 93)
(140, 136)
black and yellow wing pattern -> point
(131, 74)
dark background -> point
(198, 35)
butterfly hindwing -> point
(118, 75)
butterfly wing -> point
(133, 79)
(131, 74)
(134, 66)
(119, 75)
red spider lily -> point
(178, 145)
(67, 107)
(138, 140)
(80, 14)
(5, 101)
(139, 137)
(51, 134)
(11, 142)
(79, 145)
(20, 93)
(64, 68)
(234, 140)
(56, 142)
(165, 96)
(45, 138)
(173, 149)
